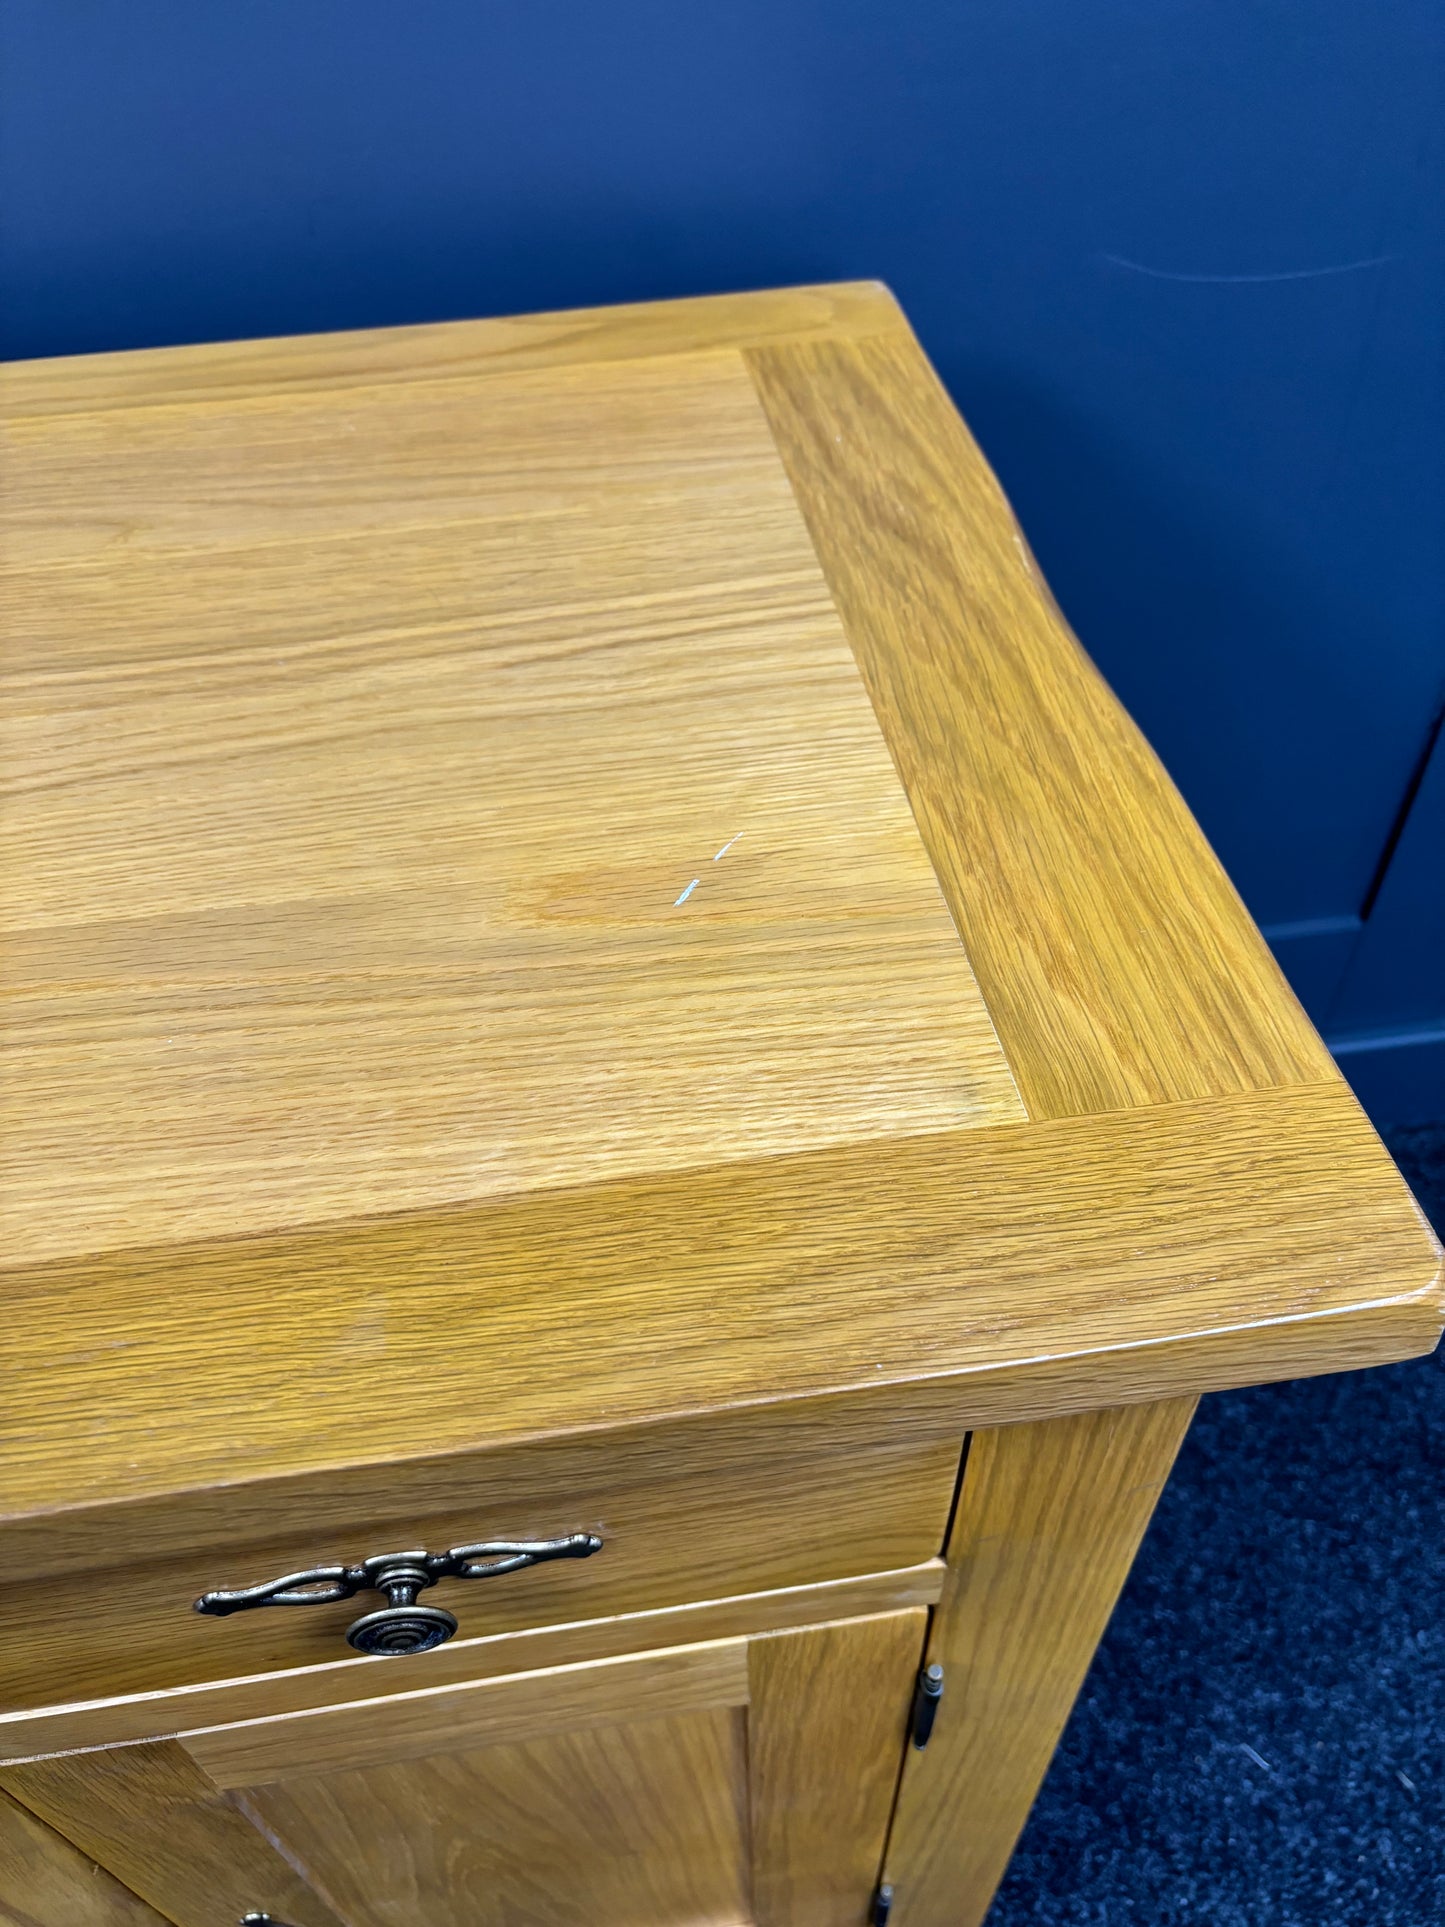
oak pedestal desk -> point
(625, 1074)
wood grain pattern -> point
(1119, 964)
(46, 1882)
(1049, 1520)
(229, 371)
(442, 1719)
(363, 695)
(1239, 1232)
(643, 1824)
(381, 746)
(542, 1477)
(485, 1037)
(496, 1803)
(173, 1713)
(667, 1539)
(826, 1721)
(149, 1814)
(612, 1790)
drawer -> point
(719, 1516)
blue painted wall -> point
(1181, 264)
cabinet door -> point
(742, 1780)
(46, 1882)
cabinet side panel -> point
(1048, 1523)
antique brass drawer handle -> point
(401, 1626)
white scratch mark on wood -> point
(688, 891)
(727, 846)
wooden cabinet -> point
(587, 961)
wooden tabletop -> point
(572, 865)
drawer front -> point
(745, 1525)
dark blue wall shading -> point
(1388, 1017)
(1181, 265)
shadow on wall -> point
(337, 270)
(1167, 590)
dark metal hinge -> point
(882, 1906)
(926, 1695)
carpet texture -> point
(1261, 1740)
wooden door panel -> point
(733, 1781)
(827, 1718)
(644, 1823)
(149, 1815)
(46, 1882)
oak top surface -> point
(514, 766)
(440, 791)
